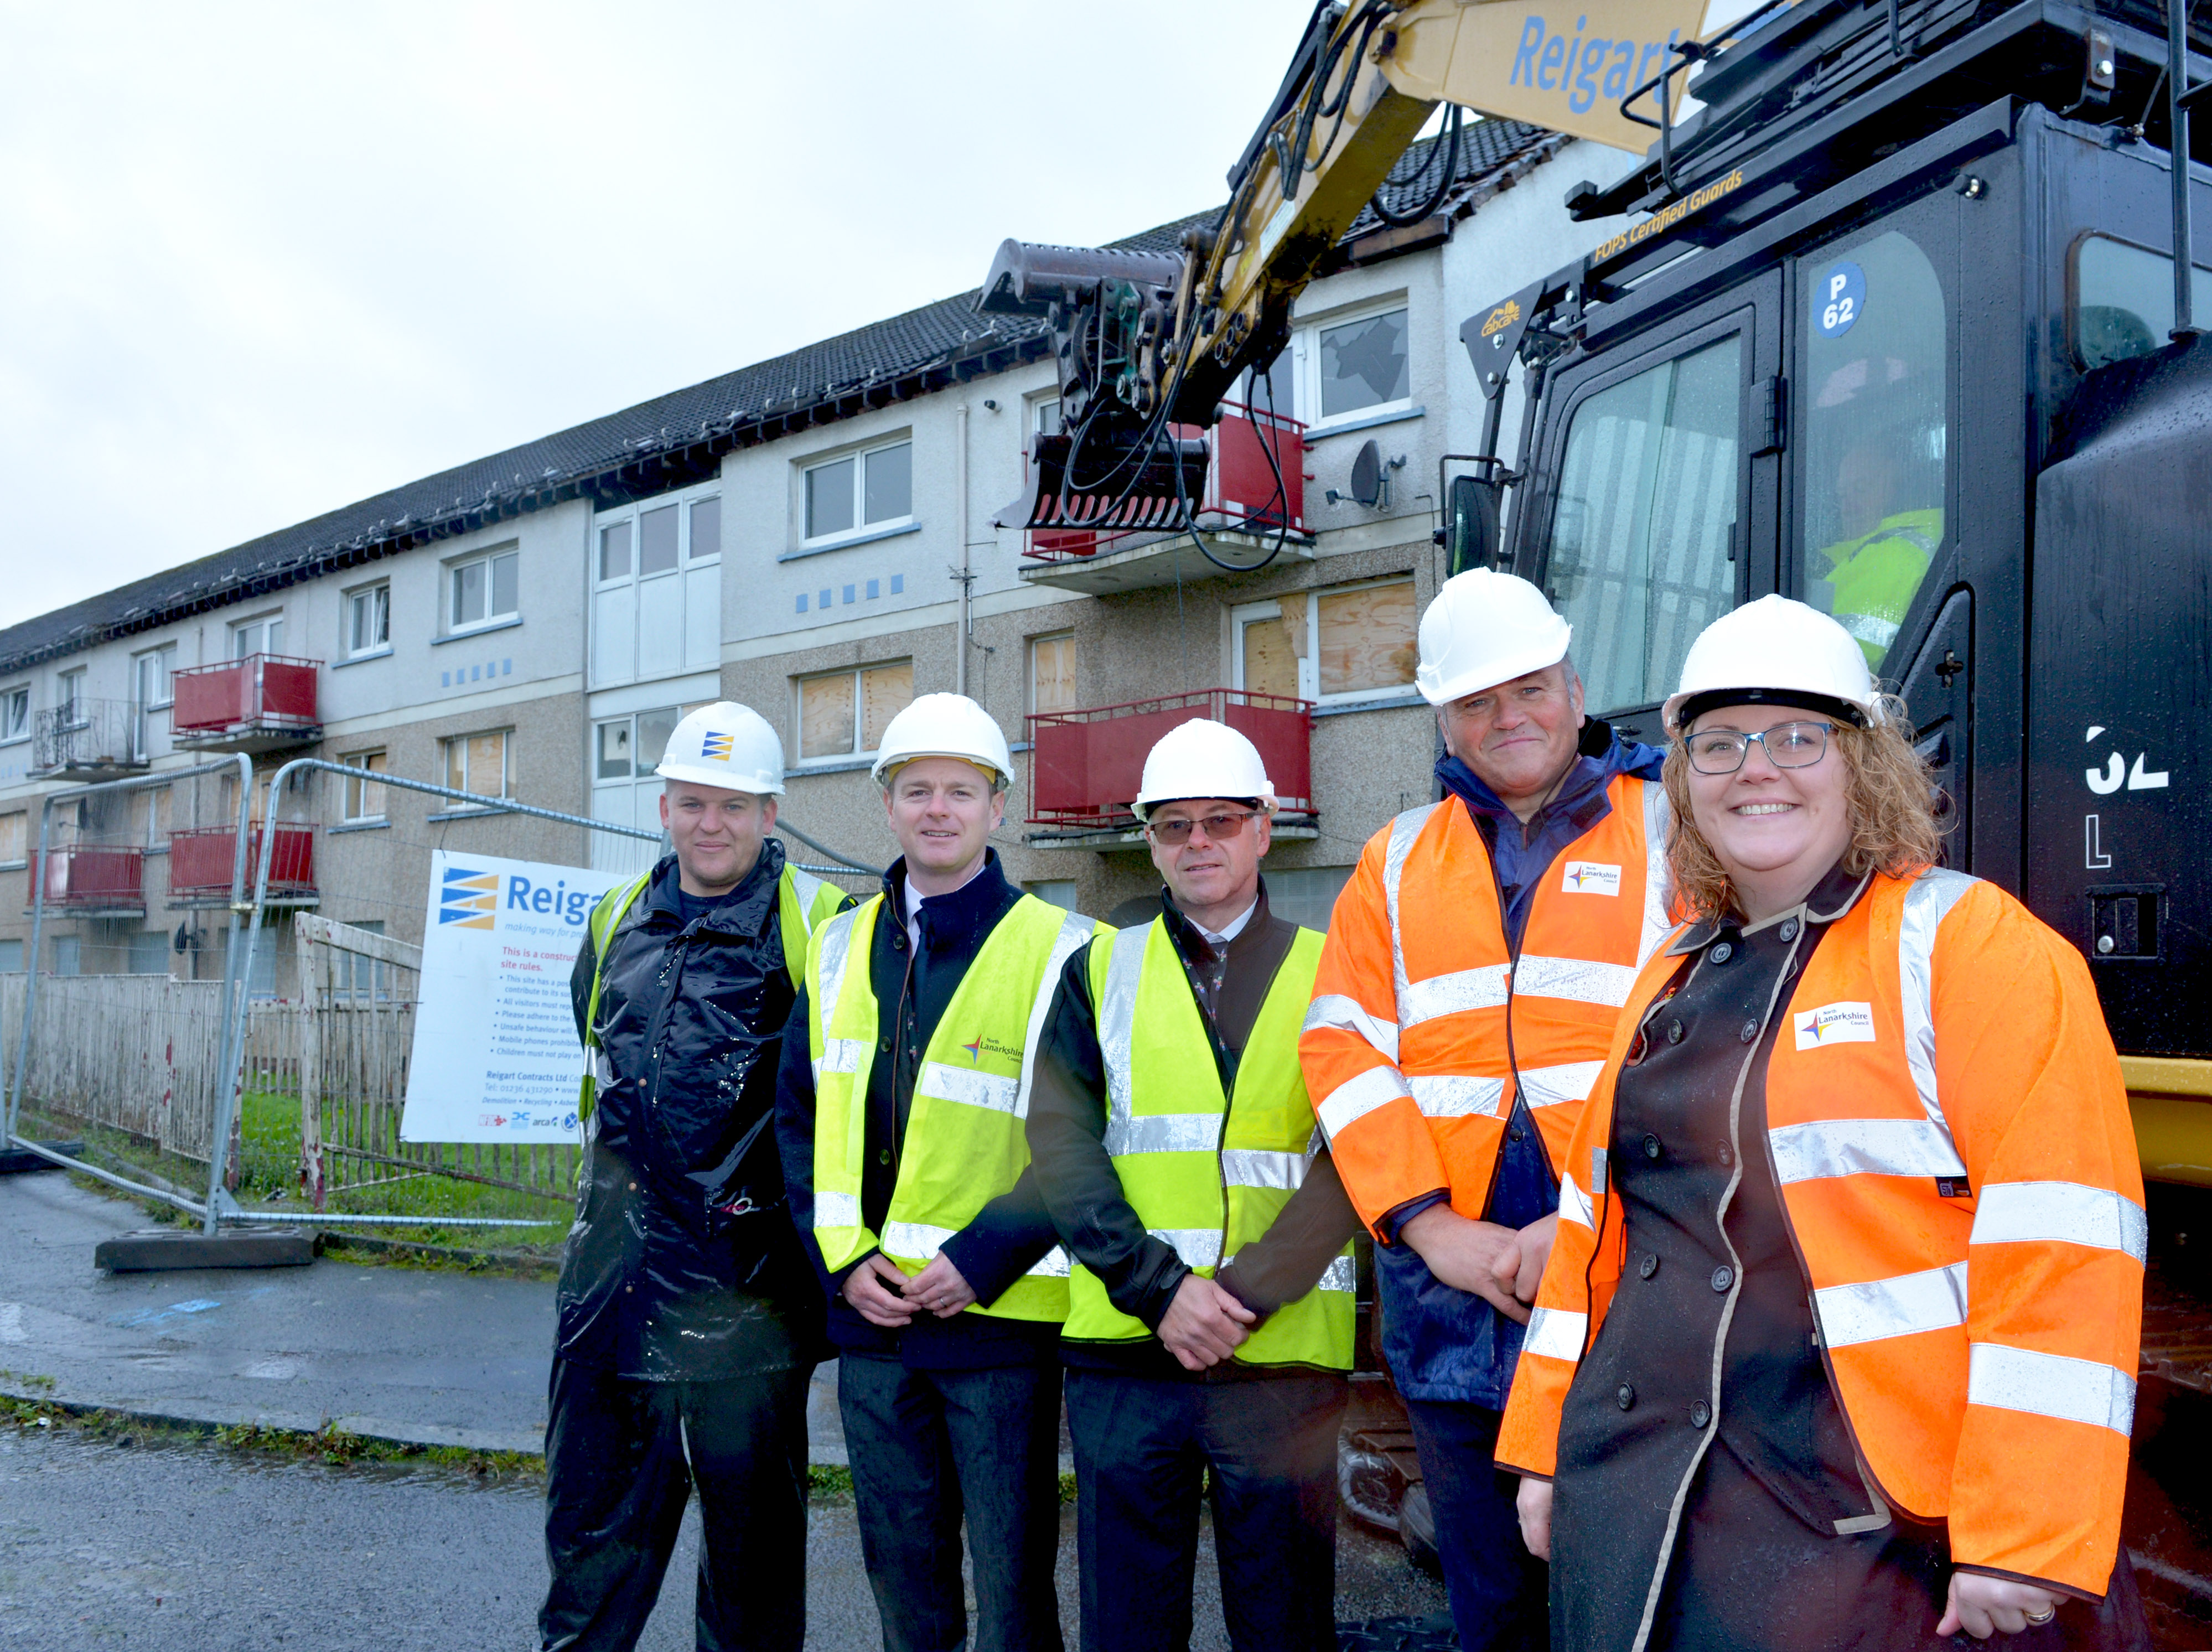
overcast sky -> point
(260, 261)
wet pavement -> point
(197, 1547)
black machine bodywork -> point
(1945, 320)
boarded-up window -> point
(364, 800)
(1270, 659)
(1052, 672)
(477, 764)
(843, 714)
(1367, 638)
(15, 836)
(885, 691)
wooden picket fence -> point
(134, 1053)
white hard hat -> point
(1774, 651)
(1203, 759)
(944, 725)
(727, 745)
(1485, 627)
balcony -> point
(96, 881)
(1240, 513)
(261, 703)
(86, 740)
(1086, 765)
(201, 859)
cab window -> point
(2123, 300)
(1874, 434)
(1640, 559)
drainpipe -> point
(960, 523)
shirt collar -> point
(1186, 934)
(1837, 893)
(952, 918)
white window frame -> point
(254, 623)
(72, 707)
(862, 527)
(358, 594)
(449, 578)
(164, 658)
(506, 768)
(683, 504)
(1033, 416)
(858, 753)
(1305, 367)
(14, 699)
(358, 789)
(1310, 659)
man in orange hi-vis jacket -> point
(1475, 965)
(1837, 1347)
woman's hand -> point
(1980, 1605)
(1535, 1503)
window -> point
(15, 838)
(150, 693)
(364, 799)
(11, 957)
(862, 490)
(1360, 366)
(843, 714)
(1273, 391)
(2123, 300)
(657, 590)
(1306, 896)
(1060, 892)
(1875, 434)
(149, 953)
(262, 635)
(483, 590)
(477, 764)
(75, 709)
(15, 713)
(1052, 672)
(1044, 418)
(625, 792)
(1334, 647)
(368, 621)
(1640, 559)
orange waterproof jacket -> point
(1947, 1124)
(1423, 1021)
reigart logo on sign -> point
(716, 746)
(1835, 1024)
(469, 898)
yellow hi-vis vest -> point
(802, 902)
(966, 1143)
(1208, 1173)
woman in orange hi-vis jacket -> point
(1836, 1345)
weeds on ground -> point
(42, 1384)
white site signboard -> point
(495, 1053)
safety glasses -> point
(1787, 745)
(1219, 828)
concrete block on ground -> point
(159, 1249)
(15, 1161)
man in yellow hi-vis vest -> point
(906, 1075)
(1210, 1319)
(688, 1321)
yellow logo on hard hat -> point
(1502, 318)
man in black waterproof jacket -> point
(689, 1321)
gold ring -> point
(2036, 1619)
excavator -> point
(1899, 315)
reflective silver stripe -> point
(603, 1067)
(1346, 1015)
(1556, 1333)
(1933, 1301)
(1075, 931)
(1355, 1098)
(833, 944)
(1117, 1017)
(1657, 879)
(1927, 903)
(806, 886)
(1579, 979)
(1574, 1204)
(1340, 1275)
(1570, 1081)
(1465, 989)
(1457, 1095)
(1877, 1147)
(1198, 1247)
(1403, 829)
(2028, 1213)
(984, 1090)
(1869, 628)
(839, 1055)
(2050, 1385)
(1052, 1266)
(1252, 1167)
(1163, 1132)
(836, 1210)
(916, 1239)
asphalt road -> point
(196, 1548)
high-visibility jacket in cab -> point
(1424, 1022)
(1949, 1131)
(1208, 1173)
(965, 1143)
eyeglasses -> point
(1219, 828)
(1787, 745)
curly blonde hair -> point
(1888, 792)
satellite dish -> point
(1367, 475)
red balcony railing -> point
(1086, 765)
(200, 860)
(1245, 452)
(260, 694)
(96, 878)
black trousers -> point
(1141, 1444)
(930, 1449)
(1497, 1588)
(621, 1458)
